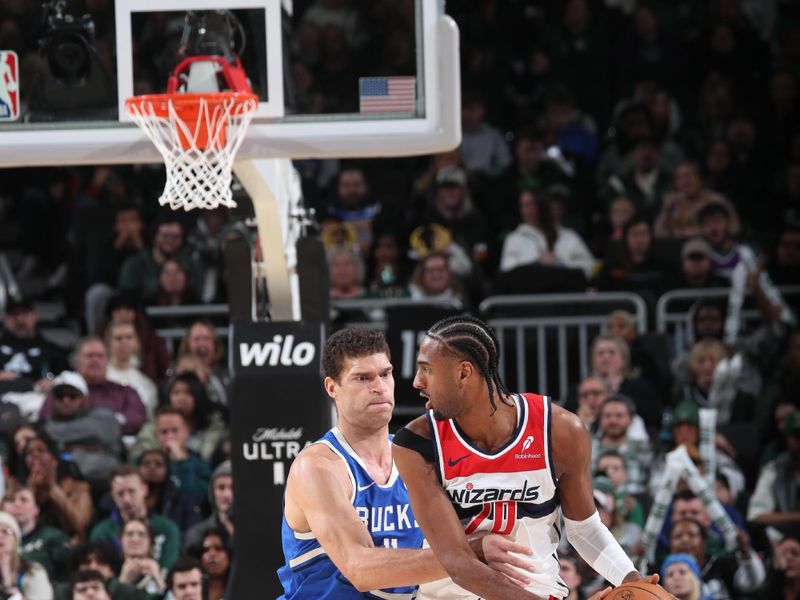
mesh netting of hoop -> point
(198, 135)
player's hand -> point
(634, 576)
(503, 556)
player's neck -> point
(371, 445)
(490, 429)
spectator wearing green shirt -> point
(190, 470)
(48, 546)
(129, 492)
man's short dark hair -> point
(621, 399)
(712, 209)
(125, 470)
(352, 342)
(104, 552)
(85, 576)
(184, 564)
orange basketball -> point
(639, 590)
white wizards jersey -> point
(511, 492)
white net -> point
(198, 136)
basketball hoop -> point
(198, 135)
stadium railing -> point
(675, 311)
(545, 338)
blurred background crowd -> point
(608, 145)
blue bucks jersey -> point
(386, 512)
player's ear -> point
(465, 370)
(330, 386)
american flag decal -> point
(386, 94)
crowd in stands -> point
(608, 145)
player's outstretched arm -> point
(445, 534)
(572, 452)
(318, 492)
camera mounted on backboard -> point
(69, 40)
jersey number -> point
(503, 514)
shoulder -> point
(162, 524)
(95, 413)
(53, 534)
(569, 235)
(315, 460)
(566, 423)
(571, 443)
(105, 529)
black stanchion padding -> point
(278, 407)
(313, 279)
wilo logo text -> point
(281, 350)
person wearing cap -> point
(91, 434)
(627, 533)
(681, 577)
(775, 499)
(19, 579)
(91, 363)
(696, 267)
(27, 360)
(724, 576)
(220, 496)
(616, 418)
(684, 428)
(452, 208)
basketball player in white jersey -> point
(348, 531)
(486, 460)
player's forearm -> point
(377, 568)
(480, 579)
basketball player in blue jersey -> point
(348, 530)
(486, 460)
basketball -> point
(639, 590)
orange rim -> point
(188, 104)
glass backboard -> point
(334, 77)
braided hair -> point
(472, 339)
